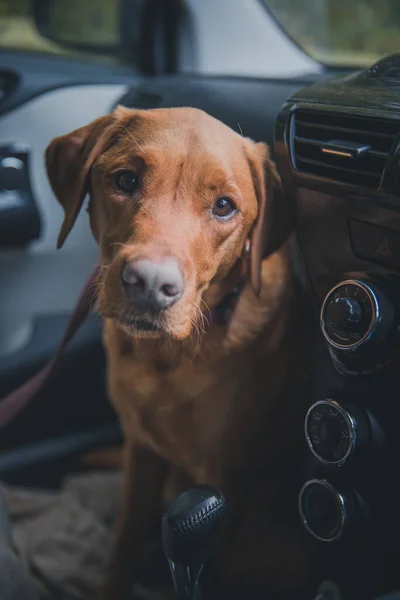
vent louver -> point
(345, 148)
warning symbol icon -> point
(384, 249)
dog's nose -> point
(153, 286)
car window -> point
(97, 23)
(341, 32)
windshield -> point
(341, 32)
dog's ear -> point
(69, 159)
(274, 222)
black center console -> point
(338, 151)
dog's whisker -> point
(198, 345)
(119, 244)
(94, 289)
(207, 308)
(199, 331)
(130, 134)
(202, 320)
(99, 266)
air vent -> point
(349, 149)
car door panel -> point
(49, 280)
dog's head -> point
(175, 198)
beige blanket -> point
(64, 538)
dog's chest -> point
(180, 405)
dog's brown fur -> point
(217, 404)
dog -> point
(204, 330)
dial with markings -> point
(349, 314)
(330, 432)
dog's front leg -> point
(144, 475)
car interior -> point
(333, 126)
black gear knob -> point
(189, 531)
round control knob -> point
(325, 511)
(334, 432)
(355, 313)
(344, 313)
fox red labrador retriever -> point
(203, 327)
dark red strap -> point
(14, 403)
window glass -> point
(341, 32)
(73, 21)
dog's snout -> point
(153, 286)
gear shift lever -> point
(189, 532)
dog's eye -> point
(223, 208)
(126, 181)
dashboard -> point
(338, 147)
